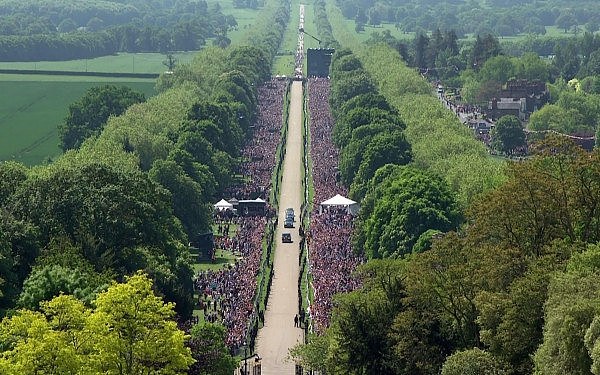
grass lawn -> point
(120, 63)
(222, 259)
(31, 108)
(245, 18)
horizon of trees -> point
(70, 29)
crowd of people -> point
(227, 296)
(259, 152)
(331, 259)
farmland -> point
(30, 110)
(119, 63)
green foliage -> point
(187, 196)
(508, 134)
(49, 281)
(358, 340)
(129, 331)
(88, 115)
(556, 183)
(402, 203)
(384, 148)
(569, 326)
(207, 342)
(472, 362)
(439, 141)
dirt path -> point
(279, 333)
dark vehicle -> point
(289, 215)
(288, 223)
(286, 237)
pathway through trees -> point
(279, 334)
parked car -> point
(286, 237)
(288, 223)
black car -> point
(288, 223)
(286, 237)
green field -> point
(30, 111)
(120, 63)
(245, 18)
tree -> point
(508, 134)
(358, 340)
(570, 311)
(137, 330)
(189, 200)
(554, 194)
(49, 281)
(170, 62)
(497, 68)
(88, 115)
(403, 203)
(66, 25)
(485, 47)
(384, 148)
(130, 331)
(531, 67)
(473, 362)
(207, 343)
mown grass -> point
(31, 110)
(120, 63)
(222, 259)
(245, 18)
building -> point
(518, 97)
(507, 106)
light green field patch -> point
(31, 110)
(120, 63)
(245, 18)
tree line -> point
(33, 31)
(502, 18)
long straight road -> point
(279, 334)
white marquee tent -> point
(223, 205)
(339, 201)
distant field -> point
(30, 111)
(121, 63)
(245, 18)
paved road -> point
(279, 334)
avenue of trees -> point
(129, 197)
(70, 29)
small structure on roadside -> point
(507, 106)
(252, 207)
(340, 202)
(223, 205)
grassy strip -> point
(305, 292)
(119, 63)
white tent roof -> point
(223, 204)
(338, 200)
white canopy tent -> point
(339, 201)
(223, 205)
